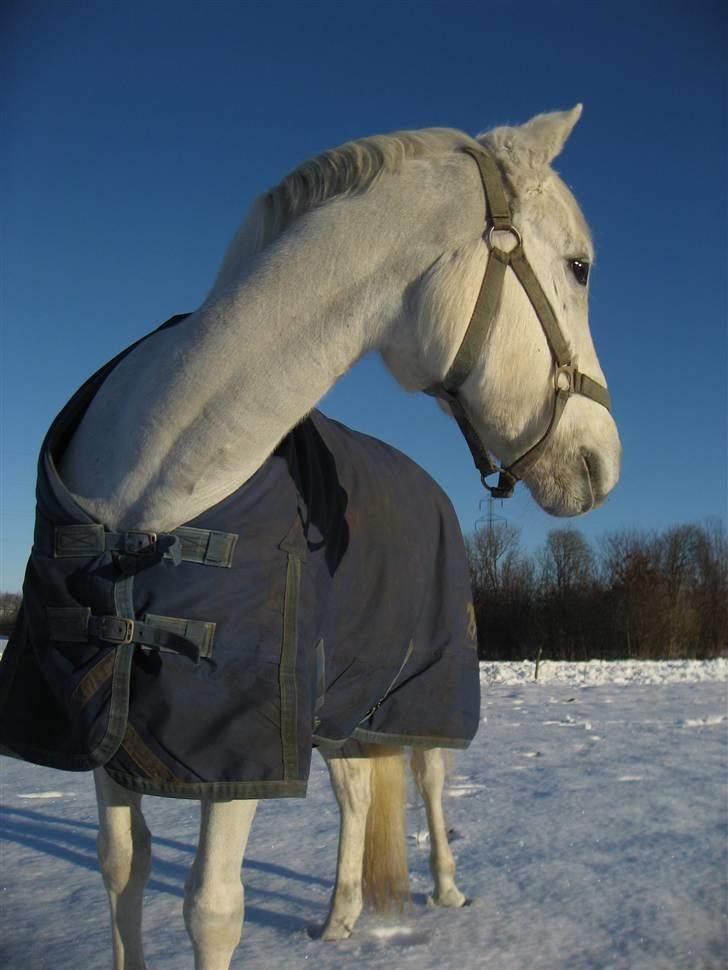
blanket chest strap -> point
(207, 547)
(191, 638)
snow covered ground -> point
(588, 818)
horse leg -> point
(429, 770)
(125, 860)
(214, 895)
(351, 781)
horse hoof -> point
(453, 899)
(336, 931)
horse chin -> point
(577, 470)
(567, 494)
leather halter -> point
(567, 378)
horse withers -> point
(191, 475)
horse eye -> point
(580, 269)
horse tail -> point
(385, 879)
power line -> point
(491, 517)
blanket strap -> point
(186, 544)
(191, 638)
(206, 546)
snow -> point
(588, 819)
(594, 672)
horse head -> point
(517, 367)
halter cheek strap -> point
(567, 378)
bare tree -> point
(711, 586)
(504, 592)
(9, 606)
(567, 562)
(493, 552)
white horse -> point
(376, 246)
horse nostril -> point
(590, 480)
(588, 460)
(595, 477)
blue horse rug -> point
(327, 598)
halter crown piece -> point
(568, 379)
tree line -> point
(632, 594)
(9, 605)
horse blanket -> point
(327, 598)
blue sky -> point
(139, 133)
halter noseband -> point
(568, 379)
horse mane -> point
(352, 167)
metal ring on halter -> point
(508, 228)
(567, 371)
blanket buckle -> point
(139, 542)
(116, 629)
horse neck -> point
(212, 397)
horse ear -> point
(544, 136)
(538, 142)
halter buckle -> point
(506, 483)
